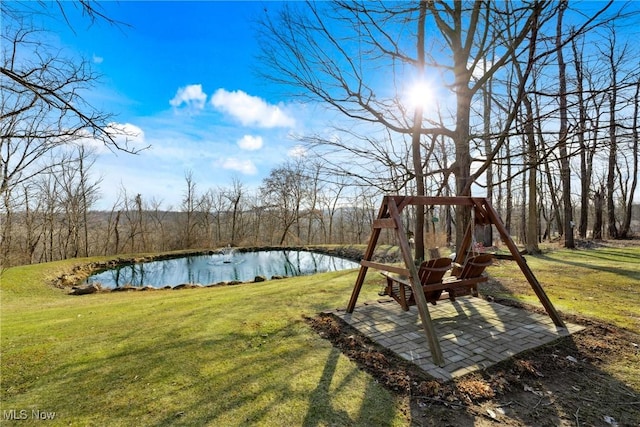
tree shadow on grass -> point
(601, 254)
(185, 379)
(560, 383)
(322, 409)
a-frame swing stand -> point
(389, 217)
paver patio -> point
(473, 333)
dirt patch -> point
(561, 384)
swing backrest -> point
(475, 266)
(433, 271)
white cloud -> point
(250, 143)
(124, 135)
(190, 96)
(127, 134)
(97, 59)
(250, 110)
(297, 151)
(479, 70)
(241, 165)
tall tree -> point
(625, 230)
(613, 62)
(563, 133)
(303, 48)
(234, 196)
(285, 191)
(416, 149)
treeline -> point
(294, 205)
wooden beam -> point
(384, 223)
(429, 200)
(368, 255)
(481, 215)
(416, 287)
(403, 271)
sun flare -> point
(419, 94)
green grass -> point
(237, 355)
(602, 284)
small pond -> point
(222, 267)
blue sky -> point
(182, 76)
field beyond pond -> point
(246, 355)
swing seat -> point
(465, 278)
(431, 274)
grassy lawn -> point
(238, 355)
(602, 284)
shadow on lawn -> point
(185, 381)
(321, 408)
(601, 256)
(559, 383)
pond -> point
(220, 267)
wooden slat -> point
(397, 278)
(384, 223)
(403, 271)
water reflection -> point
(224, 267)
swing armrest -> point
(396, 278)
(399, 291)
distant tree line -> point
(295, 205)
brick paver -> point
(473, 333)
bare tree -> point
(563, 134)
(234, 197)
(625, 230)
(76, 196)
(298, 41)
(42, 108)
(285, 191)
(189, 207)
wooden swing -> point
(389, 217)
(463, 280)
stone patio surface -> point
(473, 333)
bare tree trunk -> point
(487, 94)
(509, 191)
(531, 242)
(585, 182)
(415, 141)
(613, 142)
(523, 200)
(598, 202)
(565, 170)
(116, 231)
(625, 230)
(189, 209)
